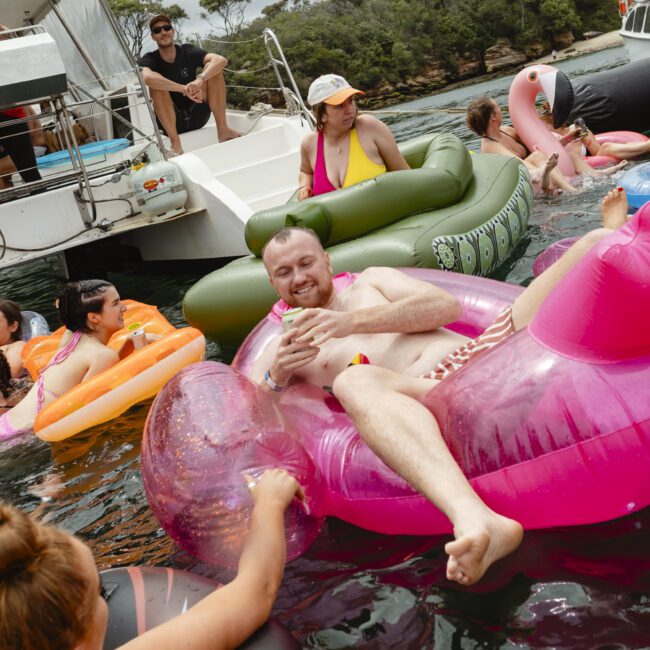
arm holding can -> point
(280, 361)
(412, 306)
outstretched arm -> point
(412, 306)
(156, 81)
(213, 64)
(306, 175)
(228, 616)
(386, 144)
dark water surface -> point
(586, 587)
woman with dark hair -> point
(11, 343)
(52, 597)
(347, 148)
(92, 312)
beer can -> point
(289, 316)
(139, 338)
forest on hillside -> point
(382, 43)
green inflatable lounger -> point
(452, 210)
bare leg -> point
(582, 167)
(164, 108)
(555, 179)
(550, 165)
(217, 101)
(385, 407)
(614, 215)
(625, 149)
(560, 181)
(608, 171)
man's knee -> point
(537, 158)
(355, 381)
(593, 237)
(160, 98)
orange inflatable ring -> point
(135, 378)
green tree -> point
(231, 12)
(133, 18)
(558, 16)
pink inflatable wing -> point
(600, 312)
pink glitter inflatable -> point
(550, 426)
(552, 254)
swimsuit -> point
(360, 167)
(58, 358)
(501, 329)
(519, 144)
(7, 430)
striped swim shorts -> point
(501, 329)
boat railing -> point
(279, 62)
(124, 113)
(74, 132)
(294, 104)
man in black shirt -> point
(186, 85)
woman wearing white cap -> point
(347, 148)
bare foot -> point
(228, 134)
(550, 165)
(176, 146)
(476, 548)
(615, 208)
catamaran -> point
(635, 28)
(69, 57)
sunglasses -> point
(161, 28)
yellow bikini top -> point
(360, 167)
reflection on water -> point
(583, 587)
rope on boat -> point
(266, 67)
(461, 110)
(214, 40)
(423, 111)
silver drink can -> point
(139, 338)
(289, 316)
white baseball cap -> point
(331, 89)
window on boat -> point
(630, 22)
(639, 16)
(646, 27)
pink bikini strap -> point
(60, 356)
(321, 183)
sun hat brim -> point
(340, 96)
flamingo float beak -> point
(559, 92)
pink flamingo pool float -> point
(552, 426)
(555, 85)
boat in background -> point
(54, 54)
(635, 28)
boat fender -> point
(159, 188)
(32, 325)
(141, 598)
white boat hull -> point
(636, 45)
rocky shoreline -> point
(498, 60)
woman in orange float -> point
(92, 312)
